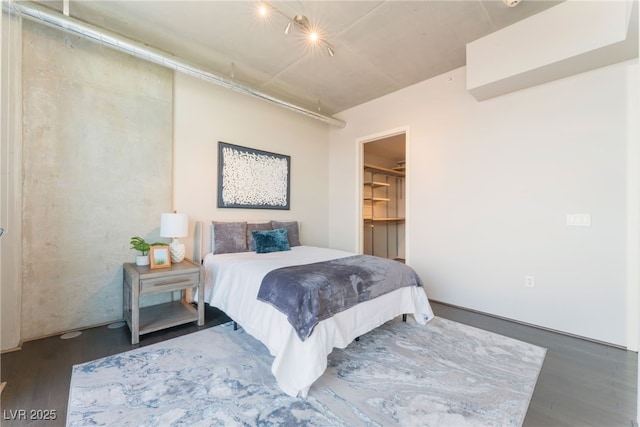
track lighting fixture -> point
(299, 21)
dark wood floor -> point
(581, 383)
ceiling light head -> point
(330, 50)
(263, 9)
(511, 3)
(302, 21)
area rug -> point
(441, 374)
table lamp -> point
(174, 225)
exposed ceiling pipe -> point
(54, 19)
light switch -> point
(579, 220)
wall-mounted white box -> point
(570, 38)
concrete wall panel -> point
(97, 170)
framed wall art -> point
(250, 178)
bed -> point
(235, 270)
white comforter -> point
(232, 282)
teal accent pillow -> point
(251, 227)
(271, 240)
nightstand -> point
(142, 280)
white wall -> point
(205, 114)
(489, 187)
(633, 209)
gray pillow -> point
(229, 237)
(251, 243)
(292, 230)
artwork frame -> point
(159, 257)
(253, 179)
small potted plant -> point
(139, 244)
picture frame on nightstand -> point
(159, 257)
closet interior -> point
(383, 207)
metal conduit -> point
(45, 16)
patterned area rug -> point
(441, 374)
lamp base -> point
(177, 251)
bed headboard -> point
(204, 244)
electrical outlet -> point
(529, 281)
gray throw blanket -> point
(309, 293)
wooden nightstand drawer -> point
(168, 283)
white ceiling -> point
(380, 46)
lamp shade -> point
(174, 225)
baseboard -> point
(531, 325)
(9, 350)
(98, 325)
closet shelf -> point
(378, 184)
(376, 219)
(384, 170)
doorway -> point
(384, 196)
